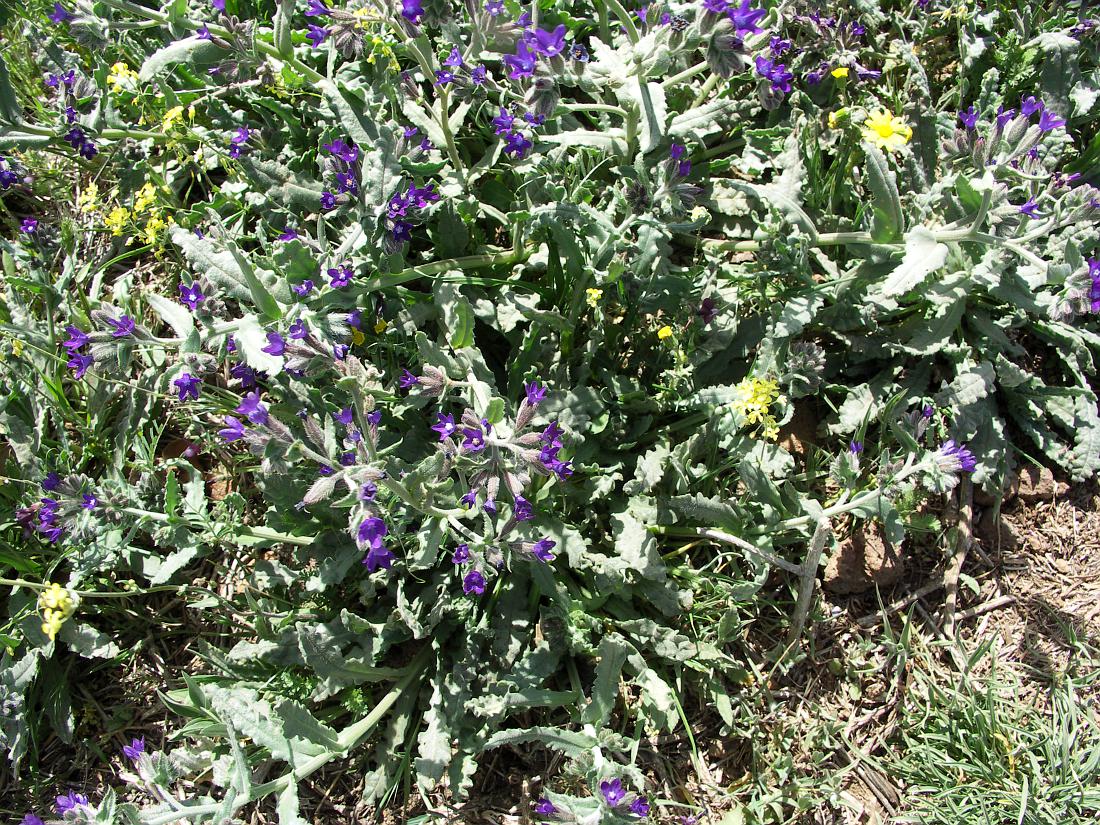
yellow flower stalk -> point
(57, 605)
(884, 129)
(145, 197)
(121, 77)
(173, 117)
(88, 200)
(117, 219)
(752, 400)
(592, 296)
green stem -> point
(592, 107)
(445, 125)
(625, 19)
(264, 533)
(686, 74)
(708, 87)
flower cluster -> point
(403, 208)
(752, 401)
(342, 162)
(81, 143)
(57, 605)
(511, 128)
(533, 44)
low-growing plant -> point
(444, 351)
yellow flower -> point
(752, 400)
(172, 117)
(839, 72)
(838, 117)
(88, 200)
(121, 77)
(664, 333)
(116, 220)
(592, 296)
(885, 130)
(57, 605)
(699, 214)
(357, 337)
(16, 347)
(362, 17)
(145, 197)
(153, 228)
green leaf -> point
(605, 690)
(10, 110)
(885, 200)
(172, 313)
(188, 50)
(570, 743)
(923, 256)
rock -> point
(863, 561)
(800, 432)
(1034, 484)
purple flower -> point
(328, 201)
(503, 122)
(203, 33)
(708, 310)
(774, 72)
(541, 551)
(60, 15)
(89, 501)
(77, 338)
(317, 8)
(522, 510)
(298, 330)
(855, 447)
(245, 374)
(955, 458)
(1004, 116)
(927, 412)
(275, 344)
(1048, 121)
(517, 145)
(135, 749)
(374, 417)
(461, 554)
(969, 118)
(639, 807)
(233, 429)
(253, 408)
(548, 44)
(304, 288)
(289, 234)
(444, 77)
(744, 18)
(470, 499)
(51, 482)
(32, 819)
(341, 276)
(188, 386)
(378, 558)
(715, 6)
(79, 364)
(473, 439)
(368, 491)
(355, 319)
(219, 5)
(535, 393)
(347, 152)
(122, 327)
(445, 426)
(494, 7)
(777, 45)
(454, 59)
(522, 63)
(316, 35)
(412, 10)
(191, 296)
(407, 380)
(372, 531)
(544, 807)
(1030, 105)
(70, 801)
(1030, 208)
(28, 226)
(613, 791)
(478, 75)
(473, 582)
(345, 416)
